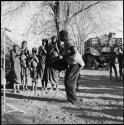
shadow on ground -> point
(98, 85)
(97, 114)
(105, 99)
(99, 91)
(17, 96)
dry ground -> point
(102, 103)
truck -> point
(97, 50)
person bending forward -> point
(73, 70)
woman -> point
(43, 63)
(53, 55)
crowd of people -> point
(48, 61)
(36, 64)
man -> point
(123, 67)
(112, 59)
(123, 64)
(73, 70)
(120, 58)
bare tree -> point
(76, 16)
(79, 17)
(55, 7)
(70, 9)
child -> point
(33, 63)
(16, 68)
(24, 65)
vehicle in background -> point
(97, 50)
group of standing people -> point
(47, 63)
(47, 53)
(36, 64)
(19, 66)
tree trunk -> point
(57, 15)
(67, 11)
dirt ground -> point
(102, 103)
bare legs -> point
(24, 83)
(34, 85)
(16, 88)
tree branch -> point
(11, 12)
(82, 9)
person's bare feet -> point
(18, 91)
(76, 102)
(14, 91)
(45, 88)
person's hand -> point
(120, 52)
(21, 51)
(60, 57)
(42, 47)
(30, 69)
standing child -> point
(24, 65)
(33, 63)
(15, 68)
